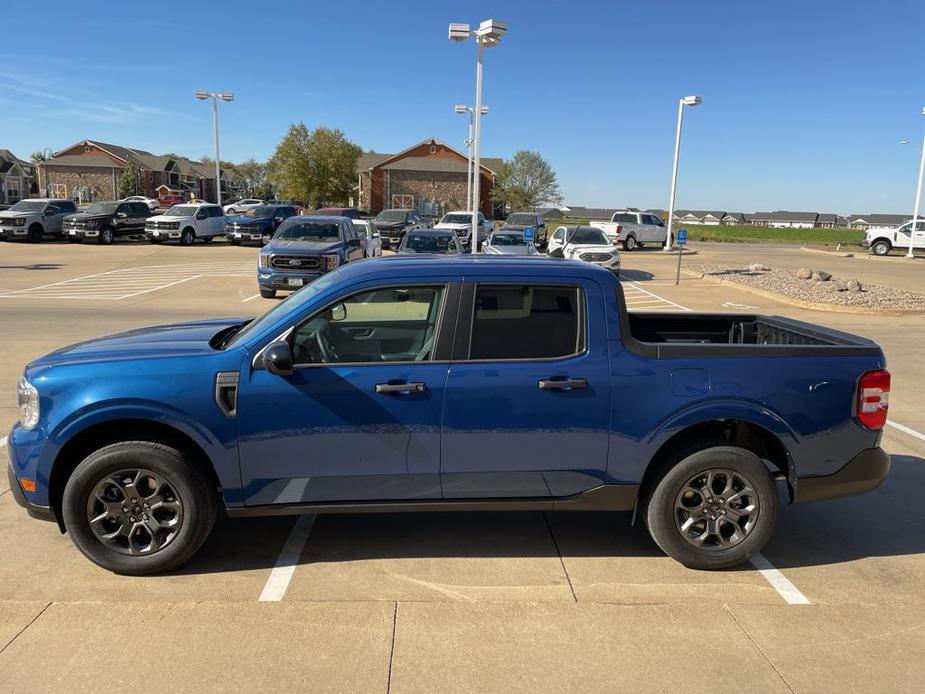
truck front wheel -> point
(139, 507)
(629, 243)
(881, 247)
(712, 508)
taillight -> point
(873, 398)
(619, 229)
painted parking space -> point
(126, 283)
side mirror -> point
(278, 358)
(353, 243)
(376, 235)
(338, 313)
(121, 215)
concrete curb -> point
(822, 251)
(812, 305)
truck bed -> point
(724, 334)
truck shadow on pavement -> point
(633, 275)
(33, 266)
(888, 521)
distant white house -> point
(866, 221)
(784, 219)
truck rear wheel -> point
(711, 508)
(138, 508)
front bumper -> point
(44, 513)
(864, 472)
(81, 233)
(242, 236)
(286, 281)
(16, 232)
(162, 234)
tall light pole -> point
(918, 199)
(461, 108)
(487, 35)
(215, 96)
(47, 154)
(686, 101)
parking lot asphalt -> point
(462, 602)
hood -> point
(10, 214)
(516, 227)
(84, 216)
(157, 342)
(390, 225)
(168, 218)
(575, 248)
(508, 250)
(453, 226)
(307, 247)
(243, 219)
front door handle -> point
(400, 388)
(562, 383)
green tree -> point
(253, 175)
(130, 181)
(317, 167)
(526, 181)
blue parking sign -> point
(528, 233)
(682, 237)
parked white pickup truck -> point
(882, 240)
(633, 229)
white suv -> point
(186, 223)
(239, 206)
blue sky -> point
(804, 103)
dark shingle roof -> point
(881, 219)
(784, 216)
(83, 160)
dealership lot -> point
(463, 602)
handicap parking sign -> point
(682, 237)
(528, 233)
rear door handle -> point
(562, 383)
(400, 388)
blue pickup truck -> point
(448, 383)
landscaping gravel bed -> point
(836, 291)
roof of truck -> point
(482, 264)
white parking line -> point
(2, 441)
(126, 283)
(789, 592)
(278, 582)
(638, 297)
(250, 298)
(906, 430)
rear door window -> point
(526, 322)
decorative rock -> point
(821, 276)
(855, 286)
(804, 273)
(758, 267)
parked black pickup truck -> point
(104, 221)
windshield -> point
(260, 212)
(102, 208)
(525, 219)
(589, 235)
(291, 303)
(508, 240)
(391, 216)
(28, 206)
(363, 227)
(317, 232)
(456, 219)
(430, 243)
(181, 211)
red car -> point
(168, 200)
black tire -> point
(234, 242)
(197, 494)
(74, 239)
(268, 293)
(156, 242)
(677, 473)
(629, 243)
(36, 234)
(881, 247)
(106, 236)
(187, 237)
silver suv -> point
(35, 218)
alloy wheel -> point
(135, 511)
(717, 509)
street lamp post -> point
(47, 154)
(215, 96)
(461, 108)
(686, 101)
(487, 35)
(918, 199)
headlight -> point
(331, 261)
(28, 398)
(19, 221)
(263, 260)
